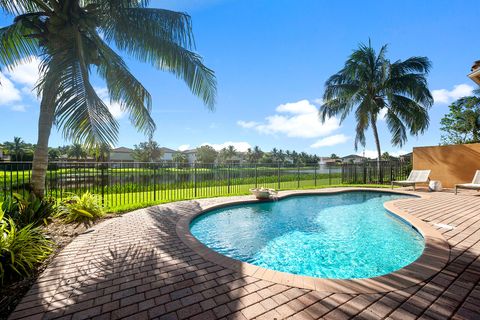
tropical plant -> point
(257, 153)
(21, 249)
(28, 209)
(462, 123)
(77, 151)
(180, 158)
(386, 156)
(376, 87)
(227, 154)
(72, 38)
(85, 209)
(53, 154)
(147, 151)
(18, 149)
(206, 154)
(101, 152)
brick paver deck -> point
(136, 267)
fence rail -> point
(123, 183)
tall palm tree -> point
(372, 85)
(72, 38)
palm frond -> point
(396, 128)
(18, 7)
(83, 116)
(124, 88)
(16, 46)
(165, 47)
(414, 115)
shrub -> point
(21, 249)
(29, 209)
(81, 209)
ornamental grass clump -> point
(21, 249)
(84, 209)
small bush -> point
(28, 210)
(81, 209)
(21, 249)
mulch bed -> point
(61, 234)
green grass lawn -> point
(125, 202)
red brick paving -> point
(135, 267)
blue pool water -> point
(343, 236)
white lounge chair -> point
(416, 176)
(475, 185)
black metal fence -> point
(123, 183)
(372, 172)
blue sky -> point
(271, 60)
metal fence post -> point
(364, 172)
(278, 177)
(298, 175)
(256, 176)
(315, 174)
(103, 184)
(329, 175)
(195, 179)
(228, 177)
(154, 182)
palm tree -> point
(257, 153)
(77, 151)
(101, 152)
(373, 85)
(72, 38)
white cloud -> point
(18, 108)
(184, 147)
(26, 73)
(298, 119)
(114, 108)
(330, 141)
(247, 124)
(8, 92)
(372, 154)
(241, 146)
(447, 96)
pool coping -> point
(434, 257)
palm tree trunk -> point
(40, 156)
(379, 152)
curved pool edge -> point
(434, 257)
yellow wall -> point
(450, 164)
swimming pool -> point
(339, 236)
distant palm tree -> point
(77, 151)
(73, 38)
(257, 153)
(17, 147)
(101, 152)
(373, 85)
(227, 154)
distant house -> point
(191, 155)
(121, 154)
(167, 154)
(353, 158)
(328, 160)
(475, 74)
(406, 157)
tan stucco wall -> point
(449, 164)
